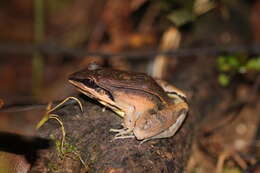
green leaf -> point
(253, 64)
(223, 79)
(228, 63)
(222, 64)
(234, 62)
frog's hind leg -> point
(171, 131)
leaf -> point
(222, 64)
(233, 62)
(253, 64)
(228, 63)
(223, 79)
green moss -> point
(53, 167)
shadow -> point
(23, 145)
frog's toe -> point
(123, 137)
(118, 130)
(123, 133)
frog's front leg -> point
(130, 117)
(161, 124)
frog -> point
(150, 108)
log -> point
(89, 145)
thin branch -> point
(20, 107)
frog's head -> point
(86, 82)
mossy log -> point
(89, 145)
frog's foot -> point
(124, 137)
(123, 133)
(118, 130)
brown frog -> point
(150, 108)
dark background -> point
(216, 63)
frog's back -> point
(132, 80)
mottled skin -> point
(151, 109)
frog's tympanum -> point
(150, 108)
